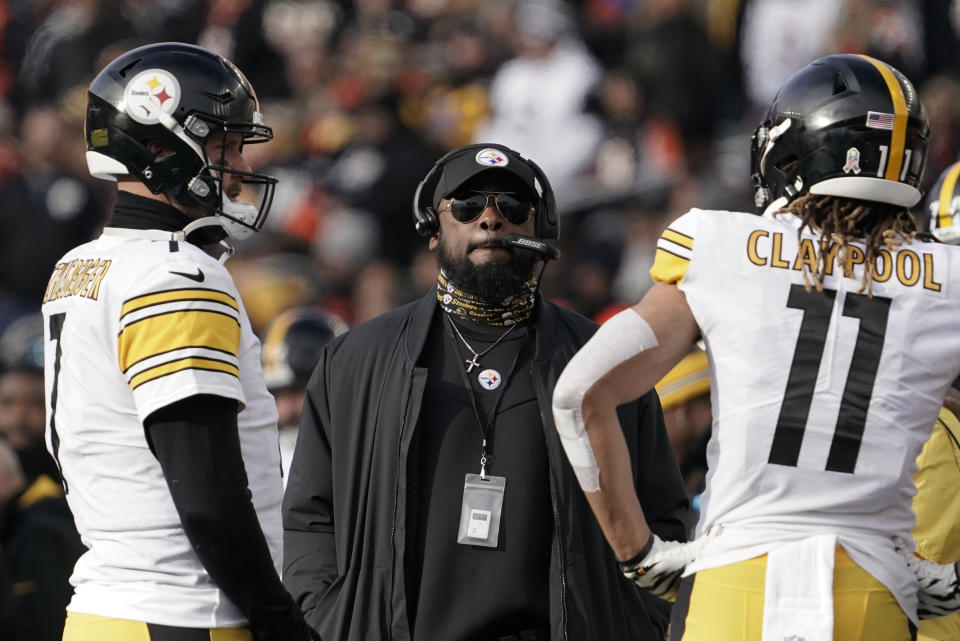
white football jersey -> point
(821, 400)
(134, 321)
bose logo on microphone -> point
(526, 242)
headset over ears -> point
(546, 221)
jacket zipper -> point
(396, 499)
(554, 500)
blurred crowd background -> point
(636, 109)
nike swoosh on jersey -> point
(197, 277)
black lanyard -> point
(492, 417)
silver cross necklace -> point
(474, 360)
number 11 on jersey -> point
(817, 308)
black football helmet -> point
(292, 344)
(178, 95)
(844, 125)
(941, 216)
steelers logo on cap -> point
(149, 94)
(492, 158)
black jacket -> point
(344, 520)
(39, 546)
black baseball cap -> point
(480, 159)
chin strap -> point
(206, 224)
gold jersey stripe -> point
(676, 237)
(178, 295)
(899, 133)
(177, 330)
(668, 267)
(176, 349)
(183, 364)
(945, 197)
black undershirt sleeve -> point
(198, 446)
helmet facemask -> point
(178, 96)
(240, 214)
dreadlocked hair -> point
(843, 220)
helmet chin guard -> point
(238, 218)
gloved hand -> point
(939, 585)
(659, 571)
(281, 621)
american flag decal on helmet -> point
(878, 120)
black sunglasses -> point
(468, 206)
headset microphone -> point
(526, 242)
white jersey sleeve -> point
(177, 337)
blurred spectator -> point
(22, 419)
(779, 37)
(40, 546)
(685, 399)
(941, 97)
(236, 29)
(46, 206)
(12, 620)
(678, 68)
(643, 223)
(539, 98)
(66, 37)
(379, 287)
(274, 282)
(458, 102)
(941, 24)
(291, 348)
(377, 173)
(642, 148)
(591, 264)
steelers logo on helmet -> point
(150, 94)
(492, 158)
(941, 216)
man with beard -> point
(429, 497)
